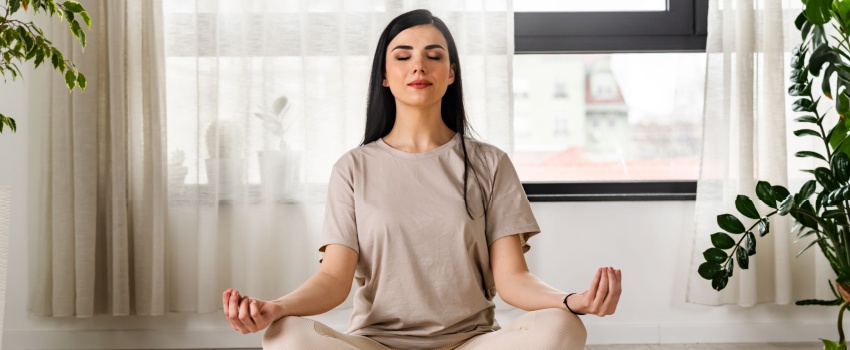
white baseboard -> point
(597, 334)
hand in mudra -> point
(603, 295)
(248, 315)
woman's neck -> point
(418, 129)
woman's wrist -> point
(571, 305)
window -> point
(627, 100)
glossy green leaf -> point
(809, 246)
(749, 243)
(73, 6)
(831, 345)
(822, 54)
(825, 82)
(842, 105)
(807, 189)
(785, 205)
(730, 223)
(743, 258)
(765, 193)
(801, 19)
(825, 178)
(70, 79)
(811, 154)
(798, 90)
(746, 207)
(86, 18)
(81, 81)
(707, 270)
(764, 227)
(806, 132)
(719, 281)
(802, 105)
(721, 240)
(841, 167)
(806, 119)
(799, 76)
(715, 255)
(817, 11)
(730, 267)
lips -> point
(419, 84)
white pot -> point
(225, 177)
(280, 174)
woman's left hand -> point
(603, 295)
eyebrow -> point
(429, 47)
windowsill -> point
(610, 191)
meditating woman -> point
(430, 224)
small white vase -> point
(280, 174)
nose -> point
(418, 66)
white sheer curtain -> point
(747, 138)
(99, 227)
(263, 97)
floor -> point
(739, 346)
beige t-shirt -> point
(424, 269)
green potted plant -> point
(821, 207)
(24, 41)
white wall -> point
(645, 239)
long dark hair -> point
(381, 108)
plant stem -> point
(738, 245)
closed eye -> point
(437, 58)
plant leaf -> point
(745, 206)
(806, 119)
(719, 281)
(809, 246)
(765, 193)
(805, 302)
(824, 177)
(807, 189)
(749, 243)
(714, 255)
(73, 6)
(841, 167)
(70, 79)
(764, 226)
(807, 132)
(721, 240)
(817, 11)
(730, 223)
(803, 154)
(786, 205)
(743, 258)
(707, 270)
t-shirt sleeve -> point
(509, 212)
(340, 226)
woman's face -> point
(418, 68)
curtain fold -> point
(101, 220)
(747, 138)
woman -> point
(429, 222)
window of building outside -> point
(622, 116)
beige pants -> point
(541, 330)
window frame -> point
(682, 28)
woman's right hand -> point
(248, 315)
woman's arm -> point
(320, 293)
(520, 288)
(326, 289)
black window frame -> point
(682, 28)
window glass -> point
(608, 117)
(586, 6)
